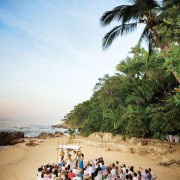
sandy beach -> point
(20, 162)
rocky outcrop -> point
(132, 145)
(32, 143)
(106, 137)
(45, 135)
(125, 147)
(170, 162)
(64, 125)
(11, 138)
(58, 134)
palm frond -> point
(170, 3)
(151, 4)
(116, 31)
(147, 37)
(114, 14)
(130, 13)
(150, 41)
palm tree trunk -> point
(175, 73)
(158, 40)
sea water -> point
(30, 128)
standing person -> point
(78, 152)
(75, 161)
(69, 162)
(81, 162)
(67, 153)
(139, 175)
(62, 155)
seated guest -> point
(105, 173)
(131, 171)
(135, 176)
(90, 169)
(59, 177)
(103, 167)
(62, 174)
(80, 174)
(145, 174)
(71, 174)
(124, 168)
(75, 170)
(94, 174)
(152, 174)
(87, 177)
(121, 174)
(47, 175)
(101, 160)
(139, 175)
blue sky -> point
(51, 55)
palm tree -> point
(70, 132)
(147, 12)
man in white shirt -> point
(135, 176)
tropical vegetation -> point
(143, 98)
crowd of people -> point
(71, 167)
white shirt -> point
(90, 170)
(135, 178)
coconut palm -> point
(71, 133)
(151, 13)
(146, 12)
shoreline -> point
(30, 128)
(64, 125)
(18, 158)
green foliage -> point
(140, 100)
(176, 97)
(172, 62)
(162, 28)
(158, 135)
(137, 125)
(165, 119)
(70, 132)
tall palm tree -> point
(148, 12)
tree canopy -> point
(138, 100)
(141, 100)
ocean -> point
(30, 128)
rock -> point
(58, 134)
(45, 135)
(138, 141)
(168, 163)
(130, 150)
(31, 143)
(105, 137)
(63, 125)
(10, 138)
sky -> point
(51, 55)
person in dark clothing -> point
(94, 174)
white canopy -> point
(74, 147)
